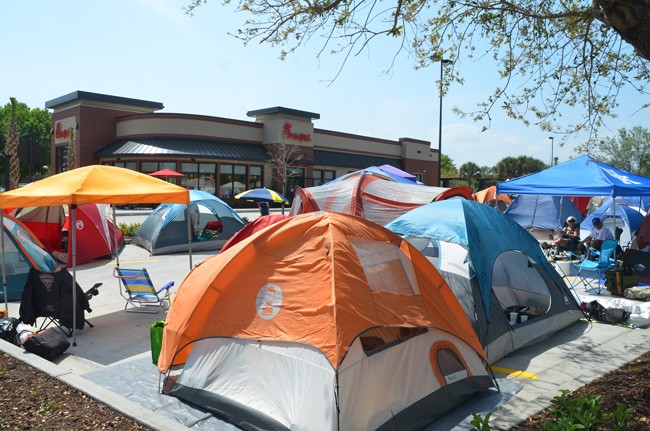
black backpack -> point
(8, 329)
(607, 315)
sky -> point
(152, 50)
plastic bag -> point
(8, 327)
(156, 339)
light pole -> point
(442, 61)
(552, 140)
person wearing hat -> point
(570, 235)
(599, 234)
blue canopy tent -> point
(583, 176)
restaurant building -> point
(220, 155)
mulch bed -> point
(628, 385)
(32, 400)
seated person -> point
(599, 234)
(570, 235)
(213, 228)
(213, 225)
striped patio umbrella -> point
(262, 195)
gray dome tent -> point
(165, 230)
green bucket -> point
(156, 339)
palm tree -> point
(471, 172)
(72, 151)
(11, 148)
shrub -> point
(129, 229)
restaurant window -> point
(239, 178)
(127, 165)
(255, 177)
(191, 174)
(322, 177)
(148, 167)
(61, 158)
(198, 176)
(295, 178)
(225, 179)
(232, 179)
(206, 177)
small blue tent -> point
(22, 251)
(165, 230)
(542, 211)
(494, 267)
(623, 217)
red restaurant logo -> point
(61, 134)
(287, 133)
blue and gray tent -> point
(165, 230)
(494, 267)
(623, 218)
(542, 211)
(22, 251)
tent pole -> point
(560, 222)
(117, 251)
(4, 264)
(615, 225)
(73, 227)
(189, 231)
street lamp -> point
(552, 140)
(442, 61)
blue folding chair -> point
(140, 291)
(606, 261)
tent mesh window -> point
(450, 366)
(377, 339)
(386, 267)
(428, 247)
(517, 284)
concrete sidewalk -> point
(111, 362)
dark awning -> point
(175, 147)
(350, 160)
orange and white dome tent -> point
(322, 321)
(487, 196)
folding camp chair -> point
(140, 292)
(606, 261)
(48, 295)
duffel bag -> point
(47, 344)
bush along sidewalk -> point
(129, 229)
(570, 413)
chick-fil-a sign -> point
(61, 133)
(287, 133)
(63, 129)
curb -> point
(126, 407)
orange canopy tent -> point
(95, 184)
